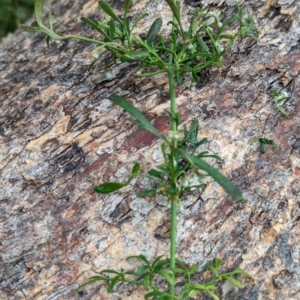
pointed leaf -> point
(234, 281)
(213, 295)
(108, 187)
(239, 271)
(126, 7)
(135, 169)
(195, 76)
(154, 29)
(193, 293)
(30, 28)
(227, 185)
(50, 20)
(140, 257)
(38, 9)
(175, 10)
(108, 10)
(112, 29)
(112, 284)
(156, 173)
(146, 282)
(141, 270)
(137, 114)
(95, 26)
(218, 262)
(159, 261)
(132, 56)
(91, 280)
(202, 44)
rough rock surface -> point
(60, 136)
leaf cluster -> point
(201, 45)
(181, 163)
(148, 274)
(263, 144)
(279, 97)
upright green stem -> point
(173, 240)
(174, 144)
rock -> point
(60, 136)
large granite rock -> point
(60, 136)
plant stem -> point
(173, 240)
(172, 95)
(174, 144)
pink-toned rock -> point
(60, 136)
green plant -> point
(280, 96)
(12, 13)
(263, 144)
(201, 45)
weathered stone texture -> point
(60, 136)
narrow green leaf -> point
(95, 26)
(112, 29)
(38, 9)
(192, 293)
(110, 271)
(146, 282)
(193, 269)
(119, 30)
(203, 287)
(233, 281)
(239, 271)
(175, 10)
(154, 30)
(137, 114)
(179, 271)
(50, 20)
(126, 7)
(202, 44)
(139, 257)
(159, 262)
(174, 25)
(195, 76)
(227, 185)
(108, 187)
(112, 284)
(141, 270)
(156, 173)
(90, 281)
(50, 33)
(146, 193)
(153, 294)
(263, 148)
(102, 25)
(132, 56)
(108, 10)
(213, 295)
(226, 36)
(135, 169)
(30, 28)
(195, 288)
